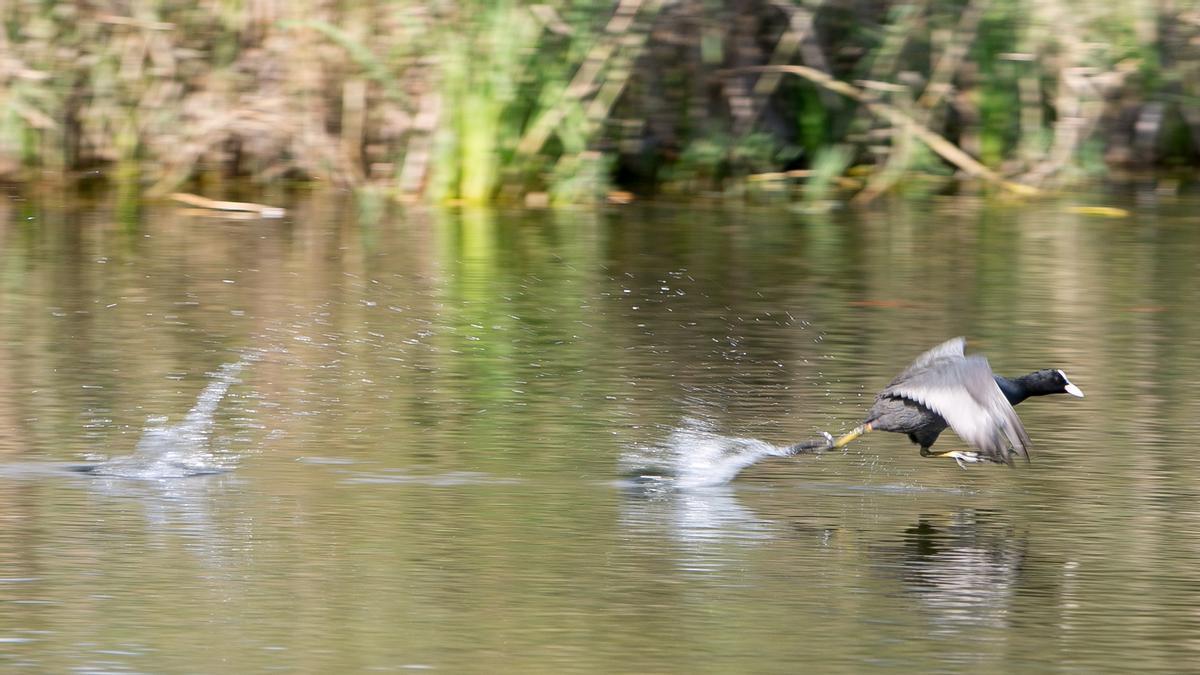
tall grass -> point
(478, 101)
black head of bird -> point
(1038, 383)
(945, 388)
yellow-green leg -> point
(854, 433)
(963, 457)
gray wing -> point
(949, 351)
(964, 392)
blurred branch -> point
(898, 160)
(136, 23)
(415, 170)
(585, 80)
(1079, 104)
(632, 43)
(952, 57)
(361, 55)
(881, 62)
(935, 90)
(937, 143)
(550, 19)
(798, 36)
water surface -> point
(457, 443)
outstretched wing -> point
(963, 391)
(947, 352)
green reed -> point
(474, 101)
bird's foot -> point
(963, 457)
(825, 442)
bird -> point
(945, 388)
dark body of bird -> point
(905, 416)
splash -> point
(694, 455)
(183, 449)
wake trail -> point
(183, 449)
(693, 455)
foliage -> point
(476, 101)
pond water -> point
(452, 440)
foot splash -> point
(183, 449)
(694, 455)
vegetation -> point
(478, 101)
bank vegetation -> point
(478, 101)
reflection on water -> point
(699, 521)
(461, 447)
(449, 479)
(963, 569)
(177, 511)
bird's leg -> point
(963, 457)
(827, 442)
(854, 433)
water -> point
(551, 442)
(180, 450)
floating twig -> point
(262, 210)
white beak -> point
(1074, 391)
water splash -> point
(694, 455)
(183, 449)
(679, 489)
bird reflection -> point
(964, 568)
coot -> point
(945, 388)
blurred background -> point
(433, 461)
(430, 429)
(536, 103)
